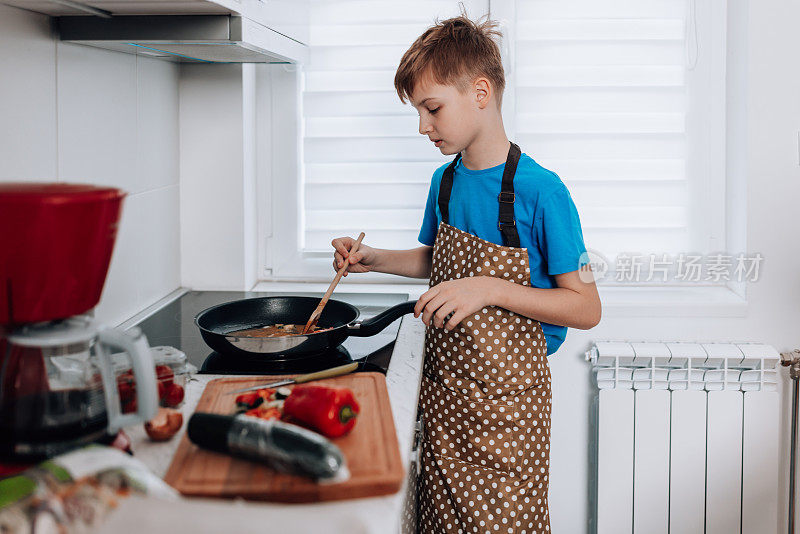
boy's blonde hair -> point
(453, 52)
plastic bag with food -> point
(75, 491)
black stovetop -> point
(173, 325)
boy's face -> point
(447, 116)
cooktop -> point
(173, 325)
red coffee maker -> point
(57, 384)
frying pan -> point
(338, 320)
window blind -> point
(366, 167)
(609, 94)
(600, 97)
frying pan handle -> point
(370, 327)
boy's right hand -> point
(361, 262)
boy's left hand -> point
(461, 297)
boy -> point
(502, 247)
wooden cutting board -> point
(371, 450)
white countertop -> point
(374, 515)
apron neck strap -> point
(506, 221)
(445, 188)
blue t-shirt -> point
(547, 221)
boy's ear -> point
(483, 92)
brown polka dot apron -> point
(485, 396)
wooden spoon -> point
(315, 316)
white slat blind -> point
(366, 165)
(601, 99)
(616, 96)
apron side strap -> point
(506, 220)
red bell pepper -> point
(330, 411)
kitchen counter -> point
(373, 515)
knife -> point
(327, 373)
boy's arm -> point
(414, 263)
(574, 303)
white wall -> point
(76, 114)
(217, 176)
(766, 119)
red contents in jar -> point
(170, 392)
(174, 395)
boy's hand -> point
(361, 262)
(461, 297)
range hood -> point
(185, 38)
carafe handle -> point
(135, 344)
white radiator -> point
(687, 438)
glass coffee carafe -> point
(58, 390)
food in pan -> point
(274, 330)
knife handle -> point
(327, 373)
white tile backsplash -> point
(79, 114)
(159, 270)
(121, 292)
(27, 97)
(157, 131)
(146, 261)
(97, 116)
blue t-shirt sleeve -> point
(430, 221)
(559, 234)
